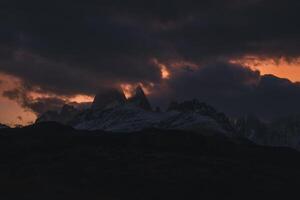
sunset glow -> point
(11, 112)
(129, 89)
(80, 98)
(279, 67)
(165, 73)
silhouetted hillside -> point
(52, 161)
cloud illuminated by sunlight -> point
(281, 67)
(79, 98)
(165, 73)
(129, 88)
(12, 112)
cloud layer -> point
(68, 48)
(234, 89)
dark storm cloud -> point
(235, 90)
(66, 47)
(265, 28)
(77, 47)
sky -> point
(241, 56)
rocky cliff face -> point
(284, 132)
(108, 99)
(64, 116)
(140, 100)
(252, 128)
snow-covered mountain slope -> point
(124, 118)
(128, 118)
(111, 112)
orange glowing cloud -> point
(165, 73)
(79, 98)
(128, 89)
(175, 64)
(13, 113)
(278, 67)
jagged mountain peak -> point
(139, 91)
(140, 99)
(108, 98)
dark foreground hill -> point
(51, 161)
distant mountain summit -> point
(104, 100)
(111, 98)
(139, 99)
(108, 99)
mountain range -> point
(112, 111)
